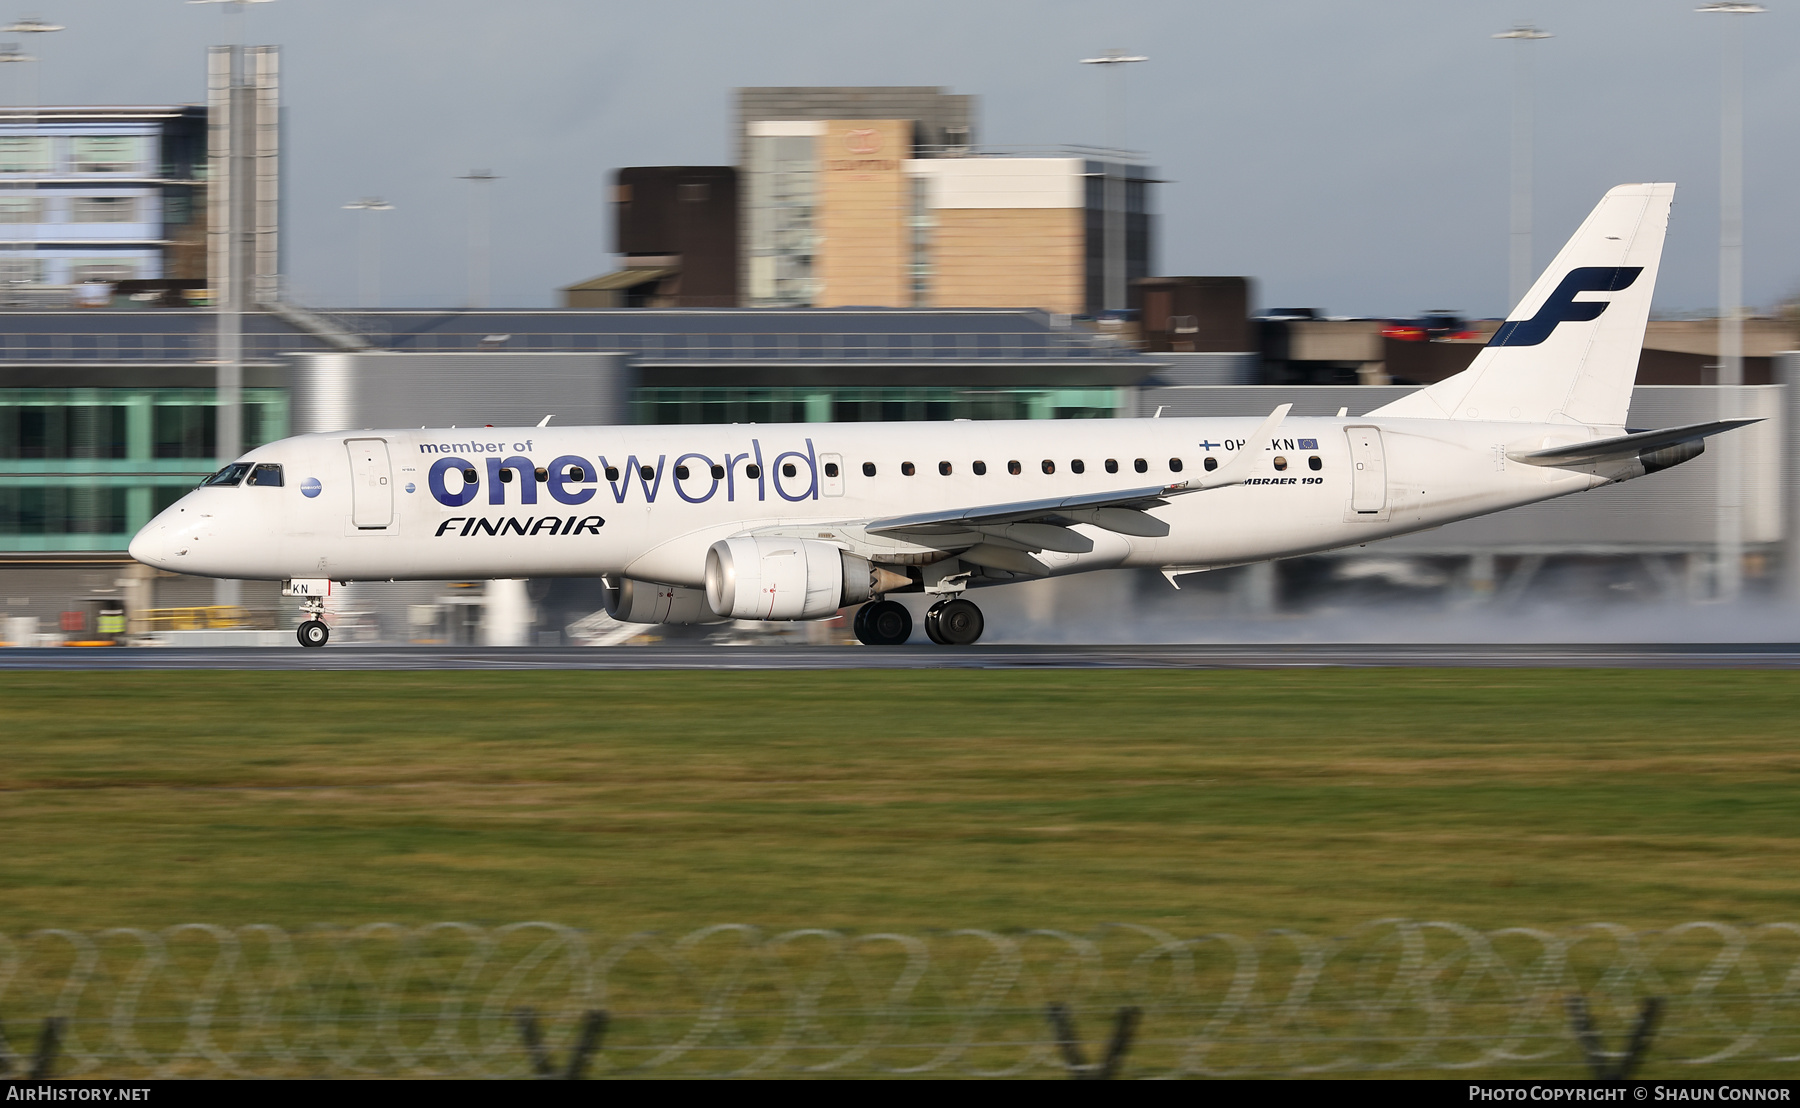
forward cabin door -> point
(371, 484)
(1368, 470)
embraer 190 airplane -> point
(699, 524)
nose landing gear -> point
(954, 623)
(313, 633)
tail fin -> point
(1569, 351)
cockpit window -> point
(232, 475)
(267, 474)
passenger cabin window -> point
(1313, 463)
(267, 475)
(1141, 466)
(788, 470)
(1174, 465)
(906, 469)
(1210, 464)
(541, 474)
(681, 473)
(576, 473)
(1077, 466)
(506, 475)
(1112, 465)
(469, 475)
(1280, 464)
(718, 473)
(831, 469)
(980, 469)
(1014, 468)
(645, 472)
(231, 476)
(751, 471)
(612, 473)
(944, 469)
(868, 469)
(1049, 466)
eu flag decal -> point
(1308, 444)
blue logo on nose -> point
(410, 487)
(310, 487)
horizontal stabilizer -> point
(1625, 447)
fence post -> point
(1063, 1026)
(45, 1061)
(1124, 1028)
(593, 1026)
(1605, 1065)
(533, 1037)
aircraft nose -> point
(151, 545)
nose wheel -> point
(312, 632)
(954, 623)
(883, 623)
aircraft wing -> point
(1626, 447)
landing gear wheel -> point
(883, 623)
(313, 633)
(954, 623)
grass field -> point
(1191, 800)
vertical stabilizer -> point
(1569, 352)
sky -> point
(1352, 157)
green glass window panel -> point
(22, 154)
(107, 153)
(62, 510)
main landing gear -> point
(313, 633)
(954, 623)
(948, 623)
(883, 623)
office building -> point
(100, 194)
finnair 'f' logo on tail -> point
(1562, 307)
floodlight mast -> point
(1728, 569)
(1112, 285)
(480, 233)
(369, 290)
(1520, 269)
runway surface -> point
(355, 657)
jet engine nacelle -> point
(631, 601)
(763, 578)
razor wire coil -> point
(450, 999)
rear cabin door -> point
(1368, 470)
(371, 484)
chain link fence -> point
(540, 999)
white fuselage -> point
(391, 504)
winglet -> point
(545, 422)
(1237, 470)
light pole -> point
(1112, 284)
(1520, 271)
(370, 285)
(231, 285)
(480, 218)
(1728, 575)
